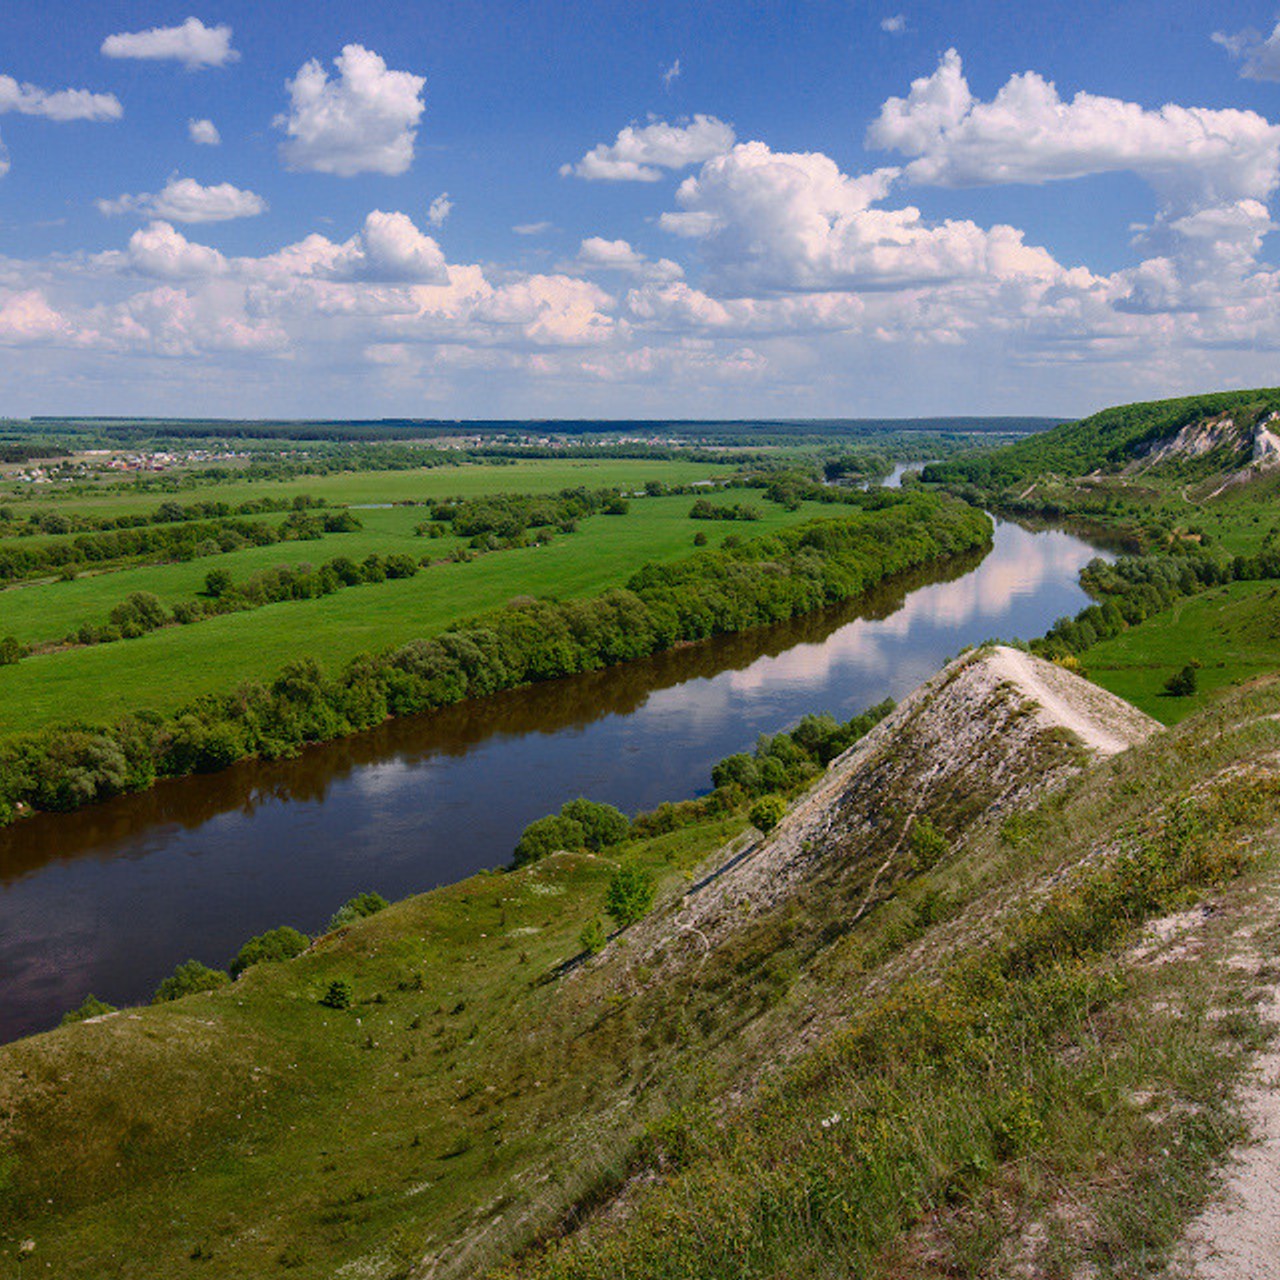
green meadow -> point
(166, 669)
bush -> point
(217, 582)
(276, 944)
(363, 904)
(602, 824)
(11, 650)
(928, 844)
(593, 938)
(1182, 684)
(767, 812)
(547, 835)
(700, 539)
(630, 895)
(91, 1008)
(339, 995)
(187, 979)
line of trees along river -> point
(207, 861)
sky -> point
(649, 209)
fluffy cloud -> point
(388, 249)
(27, 317)
(1259, 56)
(186, 200)
(1192, 157)
(598, 254)
(204, 133)
(363, 121)
(777, 221)
(60, 105)
(895, 25)
(440, 209)
(193, 44)
(641, 154)
(161, 252)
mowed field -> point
(1233, 632)
(166, 669)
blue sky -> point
(332, 209)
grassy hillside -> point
(930, 1072)
(1106, 440)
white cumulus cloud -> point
(641, 153)
(186, 200)
(191, 43)
(365, 120)
(440, 209)
(204, 133)
(1258, 55)
(1192, 156)
(598, 254)
(60, 104)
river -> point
(109, 899)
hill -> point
(1210, 432)
(916, 1029)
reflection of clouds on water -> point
(211, 864)
(892, 655)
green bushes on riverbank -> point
(758, 581)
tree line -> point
(758, 581)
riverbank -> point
(429, 800)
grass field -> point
(348, 487)
(167, 668)
(1233, 632)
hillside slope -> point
(928, 931)
(1223, 430)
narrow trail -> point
(1098, 730)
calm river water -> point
(110, 899)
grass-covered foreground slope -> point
(907, 1034)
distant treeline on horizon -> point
(431, 428)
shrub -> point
(11, 650)
(630, 895)
(91, 1008)
(276, 944)
(339, 995)
(617, 507)
(546, 835)
(602, 824)
(363, 904)
(593, 938)
(217, 582)
(1182, 684)
(187, 979)
(700, 539)
(928, 844)
(767, 812)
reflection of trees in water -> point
(133, 825)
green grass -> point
(348, 487)
(166, 669)
(986, 1048)
(1232, 631)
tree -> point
(602, 824)
(547, 835)
(593, 938)
(767, 812)
(91, 1008)
(217, 582)
(187, 979)
(338, 995)
(363, 904)
(1182, 684)
(276, 944)
(11, 650)
(629, 895)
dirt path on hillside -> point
(1238, 1235)
(1103, 724)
